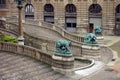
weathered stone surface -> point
(17, 67)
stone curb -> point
(88, 66)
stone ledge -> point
(90, 47)
(62, 58)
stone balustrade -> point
(49, 45)
(27, 51)
(54, 28)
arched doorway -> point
(117, 21)
(70, 17)
(49, 13)
(29, 11)
(95, 16)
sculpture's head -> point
(98, 30)
(90, 39)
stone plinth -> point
(91, 51)
(100, 40)
(63, 64)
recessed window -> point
(2, 1)
(118, 9)
(48, 8)
(29, 11)
(70, 8)
(95, 8)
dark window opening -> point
(118, 9)
(48, 8)
(95, 8)
(70, 8)
(2, 1)
(49, 13)
(29, 11)
(118, 19)
(71, 25)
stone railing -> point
(54, 28)
(27, 51)
(60, 30)
(48, 45)
(44, 44)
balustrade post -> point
(44, 47)
(40, 24)
(62, 33)
(37, 55)
(54, 28)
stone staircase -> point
(18, 67)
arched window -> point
(70, 8)
(2, 1)
(70, 17)
(48, 8)
(118, 9)
(49, 13)
(117, 21)
(95, 17)
(95, 8)
(29, 11)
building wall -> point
(82, 6)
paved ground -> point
(112, 71)
(104, 74)
(17, 67)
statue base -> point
(91, 51)
(63, 64)
(100, 40)
(64, 55)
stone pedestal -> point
(100, 40)
(21, 41)
(91, 51)
(63, 64)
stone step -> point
(13, 62)
(24, 71)
(37, 73)
(53, 77)
(18, 67)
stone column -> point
(20, 27)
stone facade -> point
(78, 21)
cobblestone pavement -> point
(17, 67)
